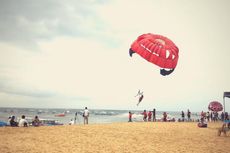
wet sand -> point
(146, 137)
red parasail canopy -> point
(156, 49)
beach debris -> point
(158, 50)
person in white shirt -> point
(8, 122)
(71, 122)
(23, 122)
(86, 115)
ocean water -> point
(96, 115)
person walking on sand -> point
(86, 115)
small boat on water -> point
(60, 115)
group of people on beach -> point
(151, 116)
(214, 116)
(85, 116)
(25, 122)
(183, 116)
(147, 116)
(206, 117)
(22, 122)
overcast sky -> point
(72, 54)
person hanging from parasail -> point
(140, 95)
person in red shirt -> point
(145, 115)
(149, 115)
(130, 116)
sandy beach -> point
(138, 137)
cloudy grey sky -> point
(72, 54)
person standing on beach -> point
(149, 116)
(165, 117)
(130, 116)
(222, 116)
(208, 116)
(226, 116)
(86, 115)
(145, 115)
(189, 115)
(215, 116)
(211, 116)
(202, 115)
(182, 116)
